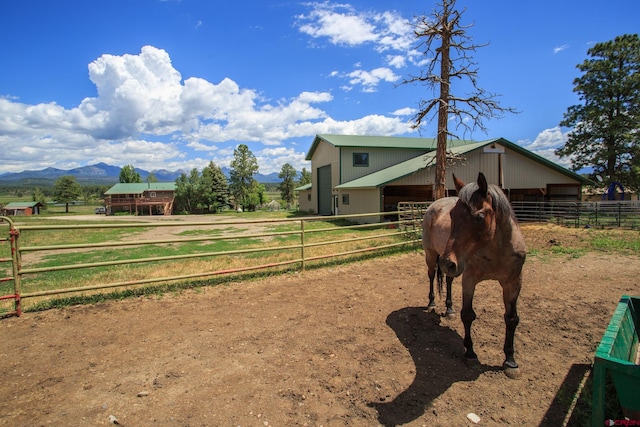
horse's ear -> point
(482, 183)
(459, 184)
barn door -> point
(324, 190)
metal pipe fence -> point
(624, 214)
(45, 261)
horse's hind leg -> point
(432, 296)
(449, 302)
(431, 261)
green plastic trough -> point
(617, 356)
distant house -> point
(21, 208)
(155, 198)
(353, 174)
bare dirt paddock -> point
(344, 346)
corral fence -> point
(42, 262)
(624, 214)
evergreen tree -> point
(186, 195)
(305, 177)
(152, 177)
(287, 175)
(67, 190)
(213, 188)
(128, 174)
(38, 196)
(606, 126)
(242, 184)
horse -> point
(476, 235)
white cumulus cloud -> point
(145, 114)
(546, 143)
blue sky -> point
(176, 84)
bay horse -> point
(476, 235)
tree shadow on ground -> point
(437, 352)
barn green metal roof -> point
(369, 141)
(139, 188)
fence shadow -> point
(571, 406)
(437, 354)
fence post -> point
(302, 243)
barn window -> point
(309, 197)
(152, 194)
(361, 159)
(345, 199)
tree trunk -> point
(443, 113)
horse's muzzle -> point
(450, 267)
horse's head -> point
(473, 224)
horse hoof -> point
(450, 314)
(513, 373)
(431, 307)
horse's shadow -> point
(437, 353)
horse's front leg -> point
(468, 316)
(510, 292)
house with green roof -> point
(353, 174)
(153, 198)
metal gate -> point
(9, 281)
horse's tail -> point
(439, 275)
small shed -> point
(22, 209)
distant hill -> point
(103, 174)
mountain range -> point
(103, 173)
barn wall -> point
(360, 201)
(325, 154)
(305, 201)
(379, 158)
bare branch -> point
(445, 39)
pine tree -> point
(606, 125)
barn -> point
(353, 174)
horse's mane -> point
(500, 202)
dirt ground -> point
(343, 346)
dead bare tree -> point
(453, 56)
